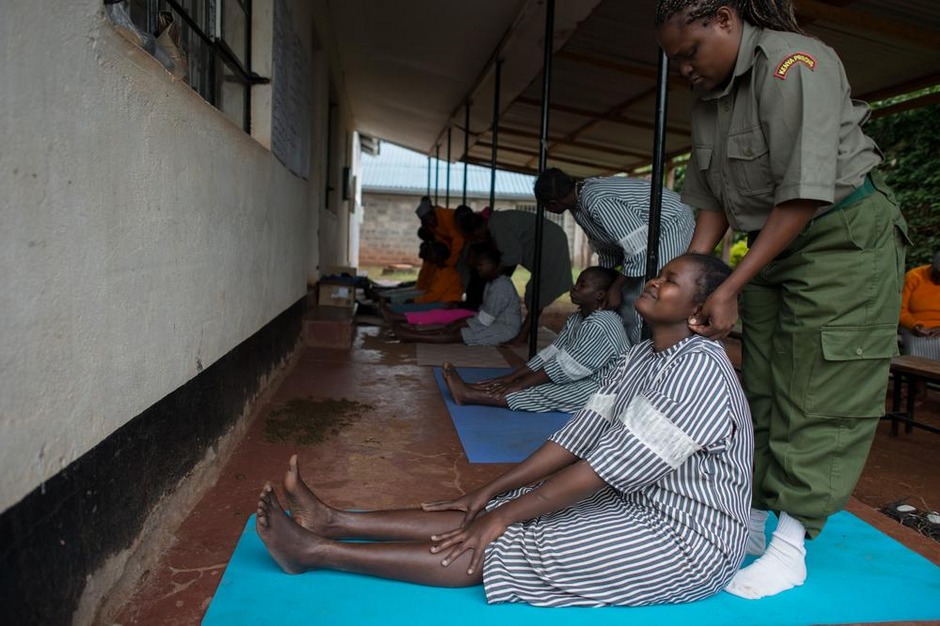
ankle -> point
(790, 530)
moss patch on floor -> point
(303, 421)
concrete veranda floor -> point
(396, 447)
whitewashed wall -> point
(142, 235)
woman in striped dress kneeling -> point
(641, 498)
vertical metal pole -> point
(437, 171)
(543, 161)
(466, 149)
(447, 193)
(656, 182)
(499, 72)
(429, 176)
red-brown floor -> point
(394, 445)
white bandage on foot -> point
(782, 567)
(756, 539)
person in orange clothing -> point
(443, 282)
(920, 311)
(443, 288)
(442, 223)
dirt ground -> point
(900, 468)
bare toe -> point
(305, 508)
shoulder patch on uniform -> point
(797, 57)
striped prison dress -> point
(614, 213)
(576, 362)
(499, 318)
(670, 433)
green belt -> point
(861, 192)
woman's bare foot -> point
(467, 394)
(305, 507)
(289, 544)
(453, 381)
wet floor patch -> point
(304, 421)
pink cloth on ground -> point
(438, 316)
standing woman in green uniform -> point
(778, 152)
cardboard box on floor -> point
(333, 292)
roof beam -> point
(631, 69)
(569, 142)
(531, 153)
(591, 123)
(902, 88)
(808, 11)
(921, 101)
(615, 119)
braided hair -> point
(714, 271)
(769, 14)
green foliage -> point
(909, 140)
(738, 250)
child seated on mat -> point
(564, 375)
(499, 317)
(641, 498)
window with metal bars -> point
(214, 37)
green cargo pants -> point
(819, 330)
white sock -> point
(756, 539)
(782, 567)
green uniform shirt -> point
(784, 128)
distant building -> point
(393, 182)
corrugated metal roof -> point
(604, 86)
(399, 170)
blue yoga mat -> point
(492, 434)
(856, 574)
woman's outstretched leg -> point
(401, 525)
(464, 393)
(298, 550)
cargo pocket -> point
(749, 160)
(850, 375)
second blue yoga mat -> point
(856, 575)
(492, 434)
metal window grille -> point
(215, 36)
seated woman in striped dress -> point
(564, 375)
(641, 498)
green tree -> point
(909, 140)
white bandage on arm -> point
(571, 368)
(657, 432)
(634, 242)
(602, 404)
(548, 353)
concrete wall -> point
(144, 235)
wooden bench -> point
(907, 371)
